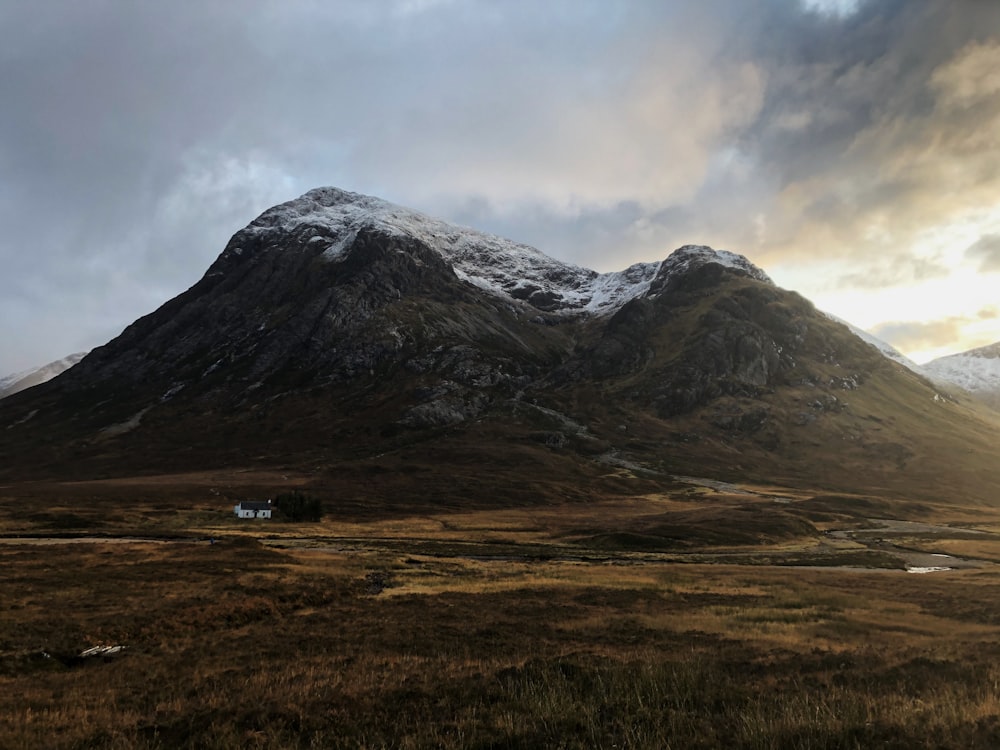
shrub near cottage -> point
(297, 506)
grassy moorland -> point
(532, 627)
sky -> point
(851, 148)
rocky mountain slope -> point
(396, 356)
(887, 349)
(20, 381)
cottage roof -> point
(256, 505)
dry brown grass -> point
(476, 629)
(237, 645)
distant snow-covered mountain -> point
(977, 371)
(25, 379)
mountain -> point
(395, 358)
(977, 371)
(887, 349)
(20, 381)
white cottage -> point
(253, 509)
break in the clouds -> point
(849, 147)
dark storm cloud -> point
(107, 210)
(829, 81)
(869, 129)
(986, 252)
(884, 123)
(136, 137)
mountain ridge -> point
(20, 381)
(493, 263)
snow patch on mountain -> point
(609, 291)
(497, 265)
(25, 379)
(338, 248)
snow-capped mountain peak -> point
(691, 256)
(500, 266)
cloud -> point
(988, 313)
(895, 130)
(970, 79)
(832, 7)
(584, 120)
(986, 252)
(939, 335)
(137, 137)
(903, 271)
(920, 336)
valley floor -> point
(531, 627)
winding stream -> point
(879, 537)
